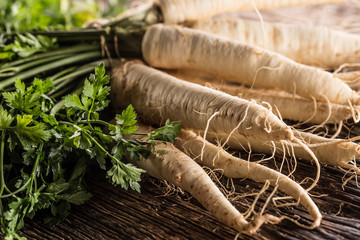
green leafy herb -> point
(24, 15)
(20, 17)
(166, 133)
(44, 153)
(25, 45)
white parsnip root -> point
(182, 48)
(175, 11)
(333, 152)
(217, 158)
(290, 106)
(169, 163)
(159, 96)
(311, 45)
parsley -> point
(25, 15)
(44, 153)
(25, 45)
(166, 133)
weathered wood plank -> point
(114, 213)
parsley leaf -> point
(30, 135)
(27, 45)
(5, 119)
(73, 101)
(125, 176)
(126, 120)
(31, 100)
(166, 133)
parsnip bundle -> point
(318, 46)
(182, 48)
(176, 11)
(158, 96)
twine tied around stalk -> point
(104, 48)
(116, 46)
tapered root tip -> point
(357, 150)
(259, 220)
(316, 223)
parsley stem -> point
(2, 149)
(96, 122)
(17, 191)
(103, 149)
(2, 177)
(2, 211)
(71, 124)
(57, 107)
(60, 85)
(139, 134)
(95, 141)
(89, 113)
(32, 176)
(87, 134)
(7, 74)
(61, 103)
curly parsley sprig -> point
(45, 152)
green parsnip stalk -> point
(63, 50)
(53, 65)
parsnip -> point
(182, 48)
(335, 154)
(175, 11)
(158, 96)
(290, 106)
(311, 45)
